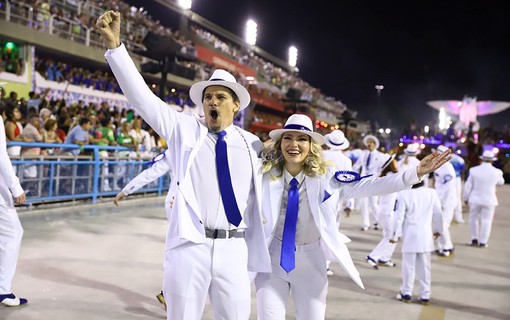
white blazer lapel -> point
(312, 191)
(276, 187)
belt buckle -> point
(215, 233)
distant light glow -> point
(426, 129)
(184, 4)
(251, 32)
(293, 52)
(388, 130)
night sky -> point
(419, 51)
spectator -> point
(79, 135)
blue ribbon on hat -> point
(335, 144)
(296, 127)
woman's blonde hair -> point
(313, 165)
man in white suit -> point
(446, 188)
(335, 143)
(418, 219)
(369, 164)
(11, 231)
(480, 194)
(208, 253)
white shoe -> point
(330, 272)
(371, 262)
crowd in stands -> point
(53, 121)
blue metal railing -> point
(63, 176)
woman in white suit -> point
(480, 193)
(300, 212)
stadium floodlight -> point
(293, 56)
(184, 4)
(251, 32)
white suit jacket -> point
(156, 170)
(417, 216)
(323, 195)
(377, 159)
(184, 134)
(480, 186)
(445, 184)
(9, 183)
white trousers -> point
(11, 233)
(216, 269)
(458, 209)
(480, 222)
(369, 210)
(307, 283)
(416, 263)
(384, 249)
(444, 242)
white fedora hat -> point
(488, 155)
(369, 136)
(442, 148)
(300, 123)
(220, 77)
(336, 140)
(412, 149)
(389, 158)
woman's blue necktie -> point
(288, 254)
(227, 192)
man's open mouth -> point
(214, 114)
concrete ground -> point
(83, 262)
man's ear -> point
(237, 106)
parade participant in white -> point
(212, 243)
(458, 164)
(418, 219)
(480, 194)
(158, 167)
(11, 231)
(300, 206)
(382, 253)
(409, 159)
(335, 142)
(446, 188)
(369, 163)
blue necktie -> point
(227, 192)
(288, 255)
(368, 159)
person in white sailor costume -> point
(480, 194)
(418, 220)
(300, 207)
(158, 167)
(335, 143)
(458, 164)
(11, 231)
(369, 164)
(383, 251)
(409, 158)
(215, 234)
(446, 188)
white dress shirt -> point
(205, 180)
(306, 230)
